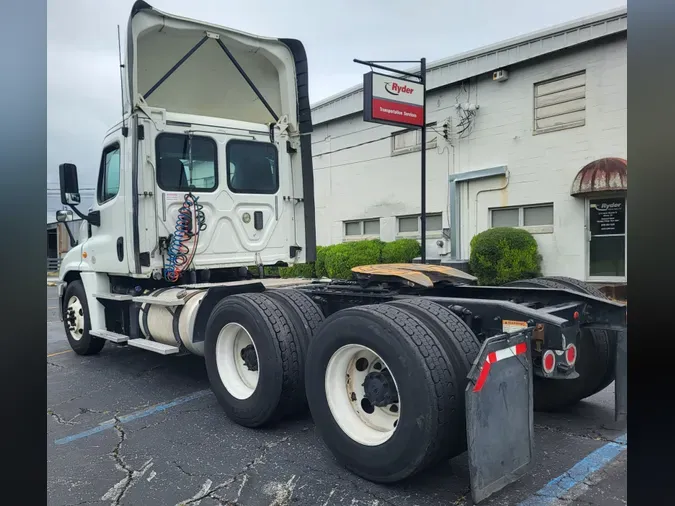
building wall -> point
(357, 177)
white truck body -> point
(207, 98)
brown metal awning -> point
(603, 175)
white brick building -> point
(571, 78)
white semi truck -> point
(210, 171)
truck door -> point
(106, 249)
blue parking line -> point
(158, 408)
(592, 463)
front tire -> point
(77, 322)
(253, 360)
(391, 426)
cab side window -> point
(109, 174)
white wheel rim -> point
(75, 311)
(345, 395)
(236, 376)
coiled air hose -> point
(185, 238)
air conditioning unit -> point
(500, 75)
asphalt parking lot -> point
(129, 427)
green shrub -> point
(340, 258)
(298, 271)
(401, 251)
(501, 255)
(269, 271)
(320, 265)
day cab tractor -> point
(210, 171)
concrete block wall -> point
(356, 177)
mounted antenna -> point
(125, 129)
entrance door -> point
(606, 234)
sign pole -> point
(423, 150)
(395, 100)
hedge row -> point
(498, 256)
(336, 261)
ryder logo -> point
(397, 89)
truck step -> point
(110, 336)
(162, 349)
(113, 296)
(146, 299)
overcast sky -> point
(83, 75)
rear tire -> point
(253, 360)
(579, 286)
(426, 385)
(612, 337)
(595, 362)
(462, 347)
(302, 311)
(76, 321)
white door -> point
(239, 182)
(606, 238)
(106, 249)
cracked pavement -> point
(191, 454)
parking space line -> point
(550, 494)
(109, 424)
(58, 353)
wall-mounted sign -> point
(392, 100)
(608, 216)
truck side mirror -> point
(63, 216)
(70, 190)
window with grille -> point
(411, 225)
(362, 229)
(409, 141)
(540, 215)
(560, 103)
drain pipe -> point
(455, 207)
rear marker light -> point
(548, 362)
(576, 315)
(571, 354)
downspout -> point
(455, 217)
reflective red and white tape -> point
(494, 357)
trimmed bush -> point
(340, 258)
(401, 251)
(298, 271)
(270, 271)
(501, 255)
(320, 265)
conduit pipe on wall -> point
(486, 190)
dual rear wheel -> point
(384, 383)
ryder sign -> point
(392, 100)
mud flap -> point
(621, 377)
(499, 414)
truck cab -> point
(210, 168)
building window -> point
(409, 141)
(362, 229)
(181, 166)
(412, 225)
(109, 174)
(560, 103)
(537, 218)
